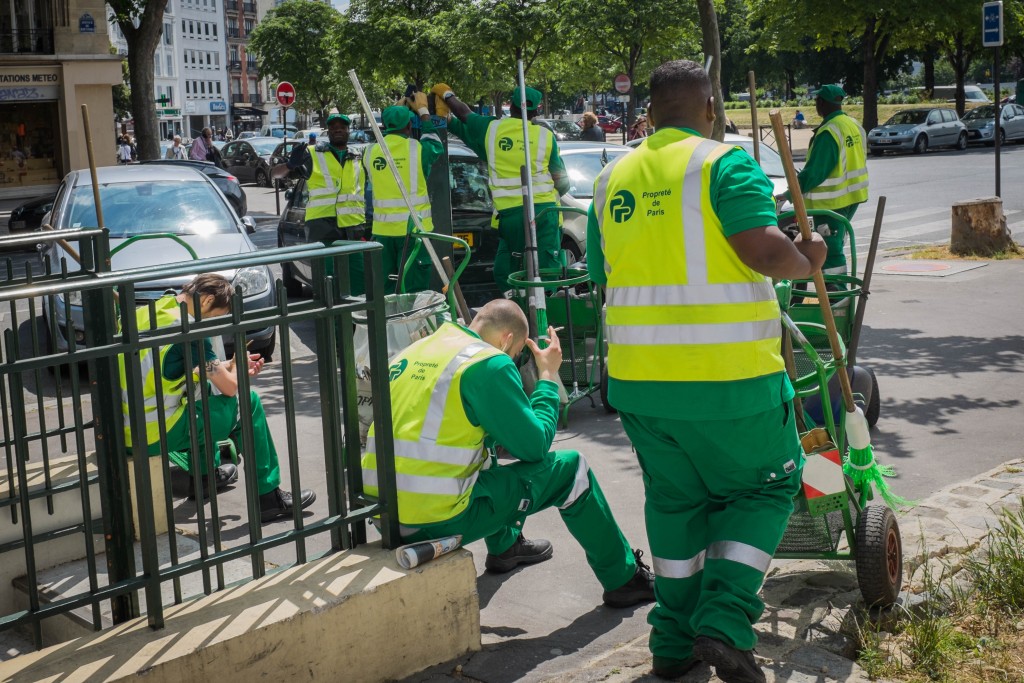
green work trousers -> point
(719, 494)
(512, 245)
(503, 497)
(326, 230)
(224, 424)
(835, 240)
(418, 278)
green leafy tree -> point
(297, 42)
(711, 42)
(142, 23)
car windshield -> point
(583, 168)
(912, 117)
(563, 126)
(771, 162)
(469, 185)
(986, 112)
(265, 147)
(147, 207)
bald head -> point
(681, 96)
(502, 324)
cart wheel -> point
(608, 408)
(875, 404)
(879, 556)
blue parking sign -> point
(992, 24)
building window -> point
(202, 87)
(218, 87)
(182, 27)
(188, 87)
(248, 26)
(215, 30)
(170, 94)
(170, 64)
(168, 35)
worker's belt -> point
(355, 233)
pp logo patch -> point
(849, 141)
(396, 370)
(505, 144)
(622, 206)
(379, 163)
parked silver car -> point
(981, 124)
(918, 129)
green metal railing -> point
(89, 418)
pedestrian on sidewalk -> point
(591, 131)
(459, 388)
(695, 368)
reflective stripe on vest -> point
(438, 451)
(505, 158)
(391, 216)
(335, 190)
(847, 182)
(681, 307)
(174, 403)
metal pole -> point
(999, 123)
(538, 301)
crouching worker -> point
(220, 395)
(458, 388)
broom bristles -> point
(865, 473)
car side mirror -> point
(288, 195)
(250, 225)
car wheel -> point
(292, 286)
(267, 348)
(573, 255)
(1002, 137)
(921, 144)
(961, 142)
(262, 179)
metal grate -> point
(807, 534)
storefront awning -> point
(248, 111)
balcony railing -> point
(238, 99)
(28, 41)
(251, 66)
(235, 66)
(233, 33)
(249, 7)
(231, 5)
(255, 99)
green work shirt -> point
(174, 361)
(741, 197)
(474, 133)
(492, 394)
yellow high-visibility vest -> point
(438, 451)
(505, 156)
(682, 306)
(847, 182)
(173, 403)
(390, 213)
(335, 190)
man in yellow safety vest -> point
(682, 232)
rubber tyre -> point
(921, 144)
(266, 350)
(961, 142)
(1002, 137)
(262, 179)
(572, 252)
(608, 407)
(292, 286)
(875, 404)
(878, 555)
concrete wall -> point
(89, 81)
(354, 616)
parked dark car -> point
(249, 159)
(225, 182)
(562, 128)
(29, 216)
(608, 124)
(280, 156)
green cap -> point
(395, 117)
(338, 117)
(533, 98)
(832, 93)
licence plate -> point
(466, 237)
(883, 141)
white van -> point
(972, 94)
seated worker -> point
(799, 121)
(215, 293)
(336, 209)
(455, 389)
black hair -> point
(211, 284)
(680, 75)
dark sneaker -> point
(224, 476)
(731, 665)
(670, 669)
(278, 503)
(521, 552)
(638, 589)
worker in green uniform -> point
(336, 208)
(500, 143)
(457, 391)
(682, 233)
(169, 370)
(392, 223)
(835, 176)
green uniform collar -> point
(340, 150)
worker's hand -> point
(418, 103)
(814, 250)
(549, 360)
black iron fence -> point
(37, 41)
(51, 412)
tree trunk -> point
(870, 41)
(979, 228)
(929, 69)
(140, 68)
(711, 43)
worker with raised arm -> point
(500, 143)
(455, 392)
(682, 233)
(392, 222)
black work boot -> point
(638, 589)
(521, 552)
(223, 476)
(671, 669)
(731, 665)
(278, 503)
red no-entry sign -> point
(285, 94)
(622, 83)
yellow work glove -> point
(440, 104)
(418, 103)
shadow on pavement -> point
(904, 353)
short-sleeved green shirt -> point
(174, 361)
(741, 197)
